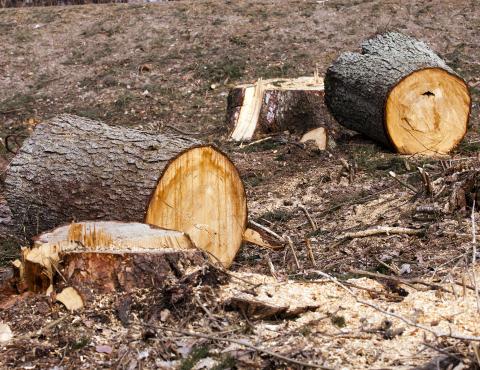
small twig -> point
(205, 309)
(256, 142)
(43, 329)
(382, 230)
(426, 180)
(242, 343)
(310, 219)
(408, 282)
(292, 248)
(267, 230)
(271, 267)
(310, 252)
(474, 255)
(395, 271)
(406, 184)
(476, 351)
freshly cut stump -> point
(276, 105)
(398, 92)
(201, 194)
(72, 169)
(102, 257)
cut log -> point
(73, 168)
(398, 92)
(201, 193)
(277, 105)
(102, 257)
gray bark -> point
(357, 85)
(73, 168)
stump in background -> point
(276, 105)
(400, 93)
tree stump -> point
(73, 168)
(400, 93)
(276, 105)
(104, 257)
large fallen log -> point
(398, 92)
(73, 168)
(276, 105)
(102, 257)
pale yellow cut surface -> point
(249, 113)
(317, 135)
(201, 194)
(106, 236)
(300, 83)
(427, 112)
(254, 237)
(71, 299)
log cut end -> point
(427, 112)
(274, 105)
(201, 194)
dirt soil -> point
(169, 66)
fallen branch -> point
(400, 280)
(310, 219)
(42, 330)
(474, 255)
(242, 343)
(267, 230)
(292, 248)
(400, 181)
(311, 257)
(382, 230)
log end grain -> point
(427, 112)
(201, 194)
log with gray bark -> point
(398, 92)
(74, 169)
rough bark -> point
(295, 110)
(357, 85)
(92, 272)
(73, 168)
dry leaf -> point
(103, 349)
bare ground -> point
(149, 66)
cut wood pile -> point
(73, 169)
(117, 212)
